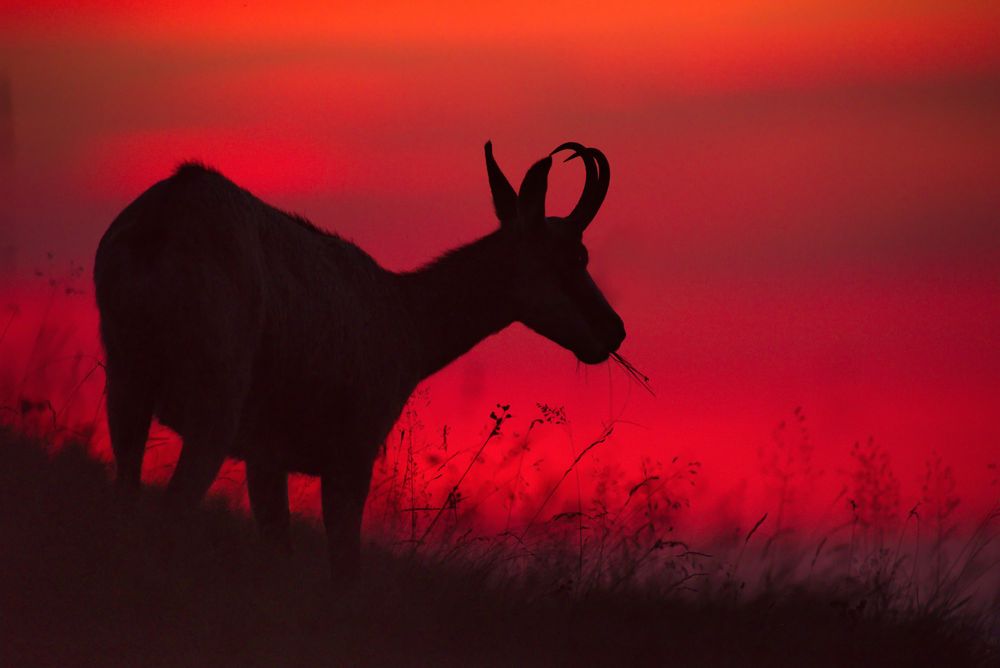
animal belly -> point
(291, 430)
(295, 438)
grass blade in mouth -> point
(634, 373)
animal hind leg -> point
(208, 428)
(130, 412)
(199, 464)
(268, 490)
(344, 492)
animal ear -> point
(531, 196)
(504, 197)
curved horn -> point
(504, 197)
(595, 188)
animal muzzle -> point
(606, 338)
(614, 333)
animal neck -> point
(457, 301)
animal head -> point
(552, 291)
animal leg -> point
(199, 463)
(268, 491)
(209, 430)
(344, 492)
(130, 411)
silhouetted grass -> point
(82, 584)
(564, 578)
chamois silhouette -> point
(254, 334)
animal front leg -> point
(344, 492)
(268, 491)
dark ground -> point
(81, 585)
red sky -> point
(803, 211)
